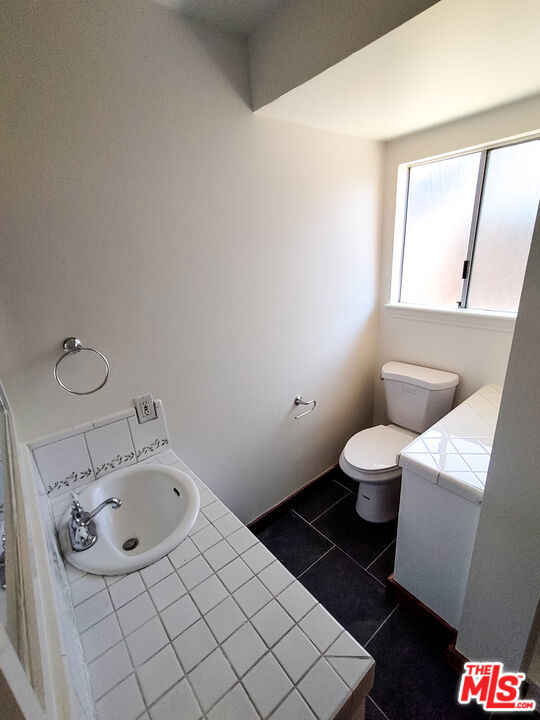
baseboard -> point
(454, 658)
(406, 598)
(269, 515)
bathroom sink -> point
(159, 506)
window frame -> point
(461, 310)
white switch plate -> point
(145, 408)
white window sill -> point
(482, 319)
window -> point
(468, 226)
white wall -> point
(504, 580)
(479, 355)
(222, 261)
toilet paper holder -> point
(298, 400)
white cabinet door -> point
(436, 532)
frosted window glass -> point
(439, 215)
(505, 227)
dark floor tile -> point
(317, 498)
(362, 540)
(412, 679)
(372, 711)
(349, 593)
(295, 543)
(383, 566)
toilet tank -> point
(417, 396)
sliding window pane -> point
(505, 227)
(439, 213)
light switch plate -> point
(145, 408)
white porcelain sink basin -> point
(159, 506)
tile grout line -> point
(381, 625)
(240, 678)
(170, 640)
(376, 579)
(269, 650)
(310, 522)
(123, 640)
(89, 456)
(343, 486)
(350, 556)
(171, 644)
(368, 697)
(379, 555)
(316, 561)
(184, 676)
(355, 561)
(340, 549)
(324, 511)
(220, 643)
(314, 528)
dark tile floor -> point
(344, 562)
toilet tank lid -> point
(425, 377)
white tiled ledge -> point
(456, 451)
(218, 629)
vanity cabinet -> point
(435, 540)
(444, 474)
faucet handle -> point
(76, 507)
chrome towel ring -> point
(72, 346)
(299, 401)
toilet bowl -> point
(370, 457)
(416, 398)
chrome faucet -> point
(82, 528)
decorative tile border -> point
(151, 437)
(110, 446)
(72, 458)
(67, 483)
(152, 448)
(64, 465)
(115, 463)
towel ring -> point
(72, 346)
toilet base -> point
(378, 502)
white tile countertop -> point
(455, 452)
(217, 629)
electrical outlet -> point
(146, 410)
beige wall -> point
(302, 39)
(222, 261)
(478, 354)
(504, 580)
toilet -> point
(416, 398)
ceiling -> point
(237, 16)
(457, 58)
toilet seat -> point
(371, 455)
